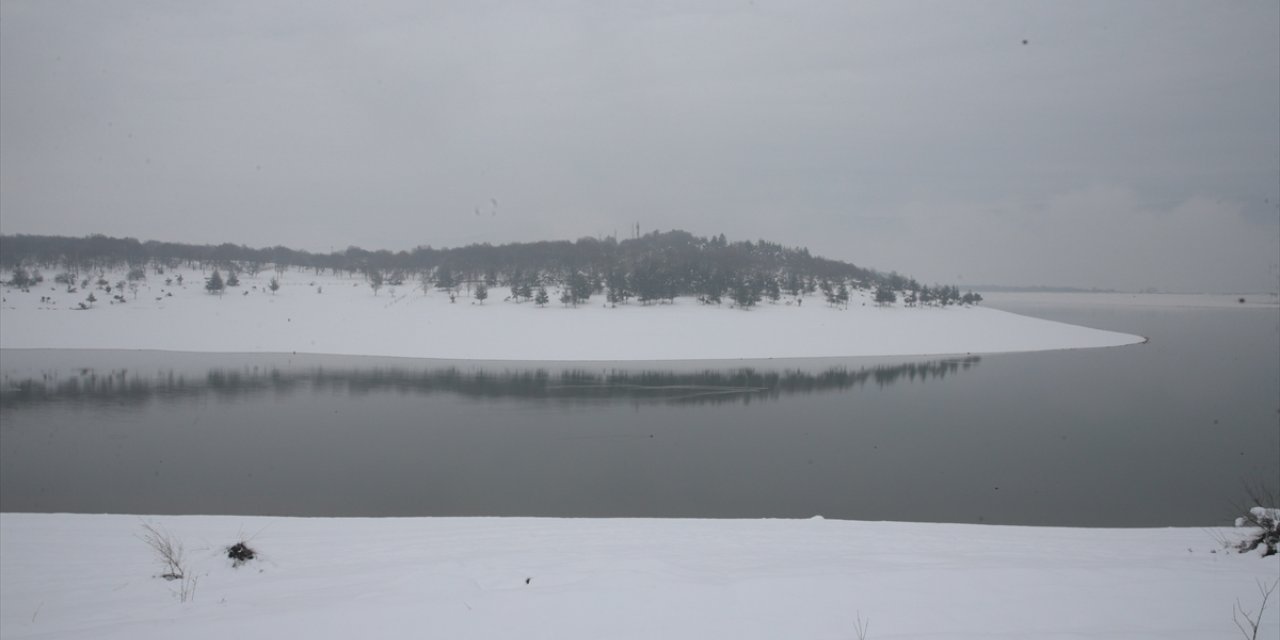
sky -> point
(1124, 145)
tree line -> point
(652, 268)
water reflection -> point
(123, 387)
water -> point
(1160, 434)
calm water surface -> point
(1158, 434)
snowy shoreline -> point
(342, 315)
(81, 576)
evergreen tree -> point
(375, 279)
(542, 298)
(214, 284)
(794, 285)
(773, 290)
(232, 280)
(713, 284)
(481, 292)
(445, 279)
(274, 285)
(745, 293)
(885, 295)
(646, 282)
(578, 289)
(21, 278)
(616, 281)
(842, 295)
(828, 292)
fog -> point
(1089, 144)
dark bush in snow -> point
(1267, 522)
(240, 553)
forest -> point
(652, 268)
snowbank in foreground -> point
(90, 576)
(342, 315)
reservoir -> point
(1166, 433)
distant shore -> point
(340, 314)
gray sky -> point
(1124, 145)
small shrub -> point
(240, 553)
(172, 555)
(1266, 521)
(168, 548)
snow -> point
(1142, 300)
(1265, 513)
(342, 315)
(1260, 514)
(91, 576)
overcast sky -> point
(1110, 144)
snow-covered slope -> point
(343, 315)
(91, 576)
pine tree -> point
(745, 294)
(445, 278)
(542, 299)
(794, 286)
(481, 292)
(829, 292)
(579, 289)
(214, 284)
(772, 289)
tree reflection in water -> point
(120, 387)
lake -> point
(1160, 434)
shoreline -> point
(341, 315)
(677, 363)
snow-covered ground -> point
(1142, 300)
(91, 576)
(343, 315)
